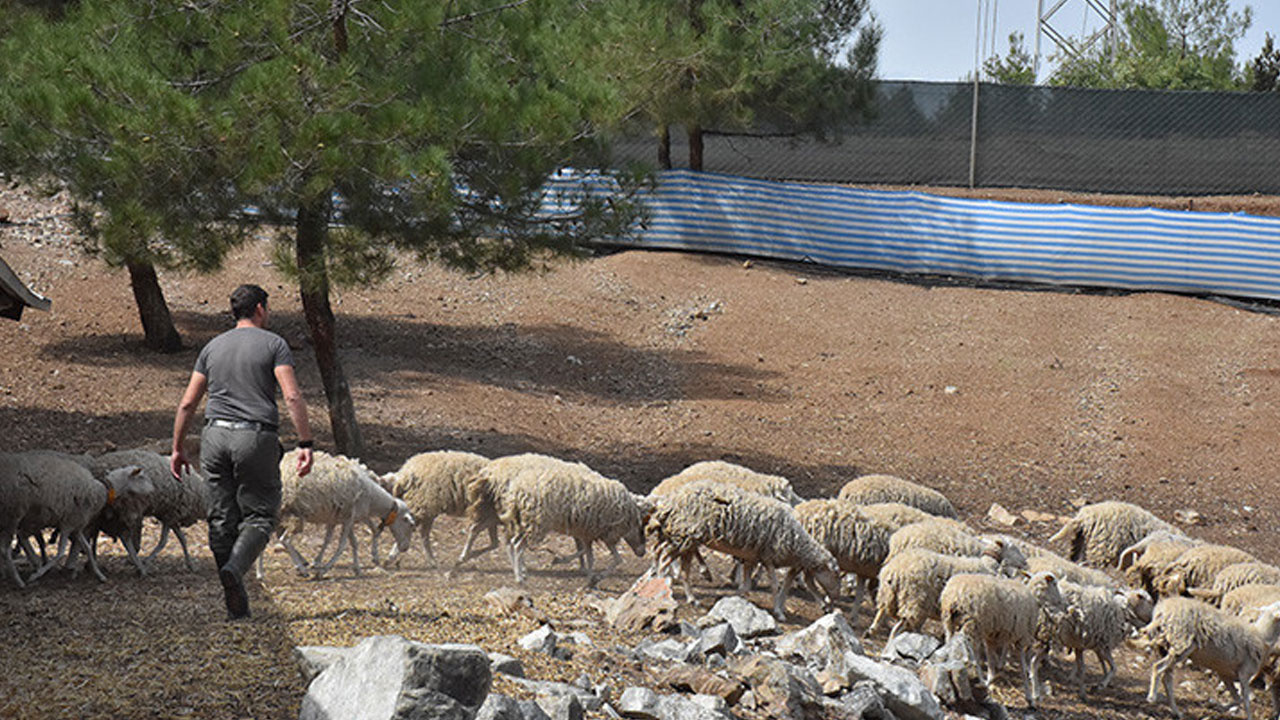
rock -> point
(668, 649)
(506, 665)
(686, 629)
(315, 659)
(1042, 517)
(748, 621)
(543, 640)
(999, 515)
(822, 646)
(501, 707)
(913, 647)
(693, 679)
(561, 707)
(863, 701)
(589, 700)
(648, 606)
(714, 703)
(717, 640)
(638, 702)
(388, 677)
(1187, 516)
(778, 688)
(578, 638)
(1079, 502)
(902, 691)
(509, 600)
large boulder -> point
(748, 621)
(390, 678)
(903, 692)
(779, 689)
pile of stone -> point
(731, 661)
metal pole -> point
(1039, 22)
(973, 123)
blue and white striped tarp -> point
(910, 232)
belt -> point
(241, 425)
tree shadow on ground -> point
(27, 428)
(537, 359)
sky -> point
(935, 39)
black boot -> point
(249, 545)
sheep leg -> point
(164, 538)
(686, 563)
(1163, 669)
(1107, 662)
(6, 539)
(324, 546)
(426, 539)
(1030, 676)
(877, 622)
(186, 553)
(746, 571)
(299, 562)
(320, 568)
(706, 569)
(57, 558)
(580, 551)
(476, 528)
(132, 550)
(517, 557)
(90, 560)
(376, 528)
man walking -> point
(240, 450)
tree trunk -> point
(695, 147)
(664, 146)
(313, 283)
(157, 324)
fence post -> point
(973, 137)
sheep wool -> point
(438, 483)
(870, 489)
(858, 542)
(1247, 601)
(1197, 567)
(895, 514)
(1188, 629)
(338, 492)
(535, 495)
(949, 537)
(1066, 570)
(1238, 575)
(1100, 532)
(751, 527)
(1146, 561)
(997, 613)
(175, 503)
(774, 486)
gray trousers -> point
(242, 468)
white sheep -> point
(1248, 600)
(534, 495)
(858, 542)
(870, 489)
(774, 486)
(48, 490)
(1188, 629)
(436, 483)
(1148, 559)
(1096, 618)
(998, 614)
(952, 537)
(175, 503)
(338, 493)
(1197, 567)
(1100, 532)
(1235, 576)
(1065, 570)
(744, 525)
(911, 582)
(895, 514)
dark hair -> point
(245, 299)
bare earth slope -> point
(637, 364)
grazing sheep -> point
(1197, 567)
(997, 613)
(1065, 570)
(1148, 559)
(175, 503)
(858, 542)
(774, 486)
(48, 490)
(1096, 618)
(339, 492)
(747, 526)
(1235, 576)
(870, 489)
(1188, 629)
(534, 495)
(1100, 532)
(895, 514)
(436, 483)
(951, 537)
(911, 582)
(1247, 601)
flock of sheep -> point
(897, 543)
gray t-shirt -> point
(240, 365)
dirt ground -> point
(637, 364)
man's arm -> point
(186, 410)
(297, 406)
